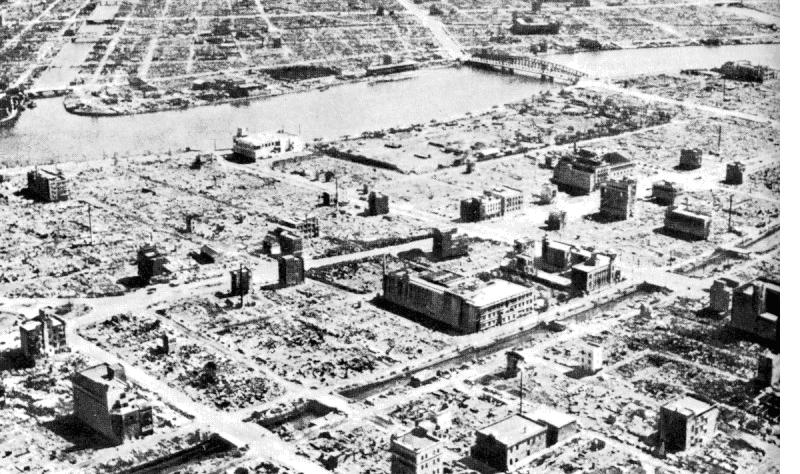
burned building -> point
(560, 426)
(510, 443)
(618, 199)
(591, 357)
(43, 334)
(596, 273)
(746, 71)
(151, 262)
(240, 282)
(686, 423)
(291, 270)
(416, 452)
(665, 192)
(691, 159)
(47, 186)
(682, 221)
(307, 227)
(466, 304)
(289, 242)
(721, 294)
(446, 245)
(377, 204)
(493, 203)
(734, 173)
(556, 220)
(756, 309)
(104, 401)
(264, 145)
(769, 370)
(524, 25)
(584, 171)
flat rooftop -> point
(513, 429)
(690, 404)
(494, 291)
(552, 417)
(416, 440)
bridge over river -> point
(526, 65)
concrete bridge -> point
(525, 65)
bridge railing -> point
(503, 59)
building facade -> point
(598, 272)
(584, 172)
(691, 159)
(756, 309)
(493, 203)
(618, 199)
(734, 173)
(510, 443)
(43, 334)
(686, 423)
(666, 192)
(685, 222)
(721, 294)
(150, 262)
(104, 401)
(446, 245)
(377, 204)
(416, 452)
(240, 282)
(48, 186)
(591, 356)
(560, 426)
(291, 270)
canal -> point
(48, 133)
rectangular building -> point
(48, 186)
(150, 262)
(584, 172)
(240, 282)
(264, 145)
(734, 173)
(591, 357)
(618, 198)
(291, 270)
(493, 203)
(104, 401)
(756, 309)
(560, 426)
(43, 334)
(377, 204)
(665, 192)
(686, 423)
(446, 245)
(511, 199)
(416, 452)
(685, 222)
(510, 443)
(691, 159)
(721, 294)
(595, 274)
(466, 304)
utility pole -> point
(521, 375)
(719, 141)
(241, 290)
(730, 214)
(91, 231)
(336, 178)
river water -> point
(48, 133)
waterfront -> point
(48, 133)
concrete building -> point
(769, 370)
(746, 71)
(686, 423)
(591, 355)
(307, 227)
(466, 304)
(48, 186)
(756, 309)
(523, 25)
(618, 198)
(689, 223)
(584, 172)
(264, 145)
(721, 294)
(104, 401)
(377, 204)
(240, 282)
(446, 245)
(291, 270)
(560, 426)
(209, 254)
(595, 274)
(43, 334)
(691, 159)
(151, 262)
(289, 242)
(556, 220)
(493, 203)
(510, 443)
(416, 452)
(511, 199)
(734, 173)
(665, 192)
(514, 363)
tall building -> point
(466, 304)
(43, 334)
(291, 270)
(721, 294)
(510, 443)
(48, 186)
(377, 204)
(689, 223)
(734, 173)
(416, 452)
(151, 262)
(584, 171)
(447, 245)
(591, 355)
(556, 220)
(691, 159)
(289, 242)
(240, 282)
(686, 423)
(756, 309)
(618, 198)
(104, 401)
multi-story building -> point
(721, 294)
(691, 159)
(689, 223)
(48, 186)
(734, 173)
(289, 242)
(104, 401)
(240, 282)
(769, 369)
(559, 256)
(466, 304)
(560, 426)
(493, 203)
(291, 270)
(264, 145)
(510, 443)
(556, 220)
(746, 71)
(307, 227)
(584, 172)
(756, 309)
(416, 452)
(591, 356)
(595, 273)
(446, 245)
(151, 262)
(377, 204)
(686, 423)
(511, 199)
(618, 198)
(665, 192)
(43, 334)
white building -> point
(592, 357)
(264, 145)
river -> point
(48, 133)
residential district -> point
(584, 279)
